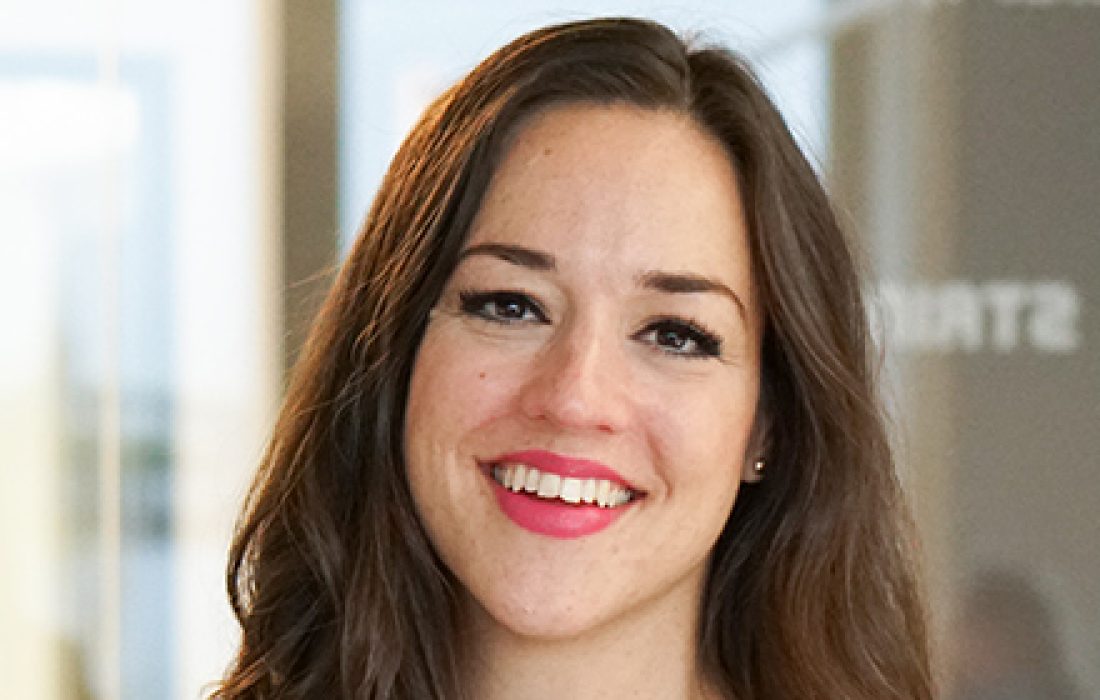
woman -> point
(588, 413)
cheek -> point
(453, 391)
(702, 438)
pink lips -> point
(553, 517)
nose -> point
(579, 382)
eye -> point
(684, 338)
(502, 307)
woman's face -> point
(598, 344)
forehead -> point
(619, 185)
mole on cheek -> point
(481, 375)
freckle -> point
(547, 151)
(481, 375)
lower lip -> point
(553, 517)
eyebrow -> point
(689, 283)
(668, 282)
(517, 255)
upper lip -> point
(564, 466)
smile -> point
(559, 496)
(523, 478)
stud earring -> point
(758, 467)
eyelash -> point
(476, 303)
(707, 344)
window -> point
(140, 357)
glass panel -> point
(965, 151)
(137, 371)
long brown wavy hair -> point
(811, 592)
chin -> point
(539, 627)
(559, 620)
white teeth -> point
(601, 492)
(549, 486)
(570, 490)
(589, 495)
(532, 485)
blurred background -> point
(177, 181)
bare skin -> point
(633, 339)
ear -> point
(759, 444)
(756, 458)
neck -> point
(640, 657)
